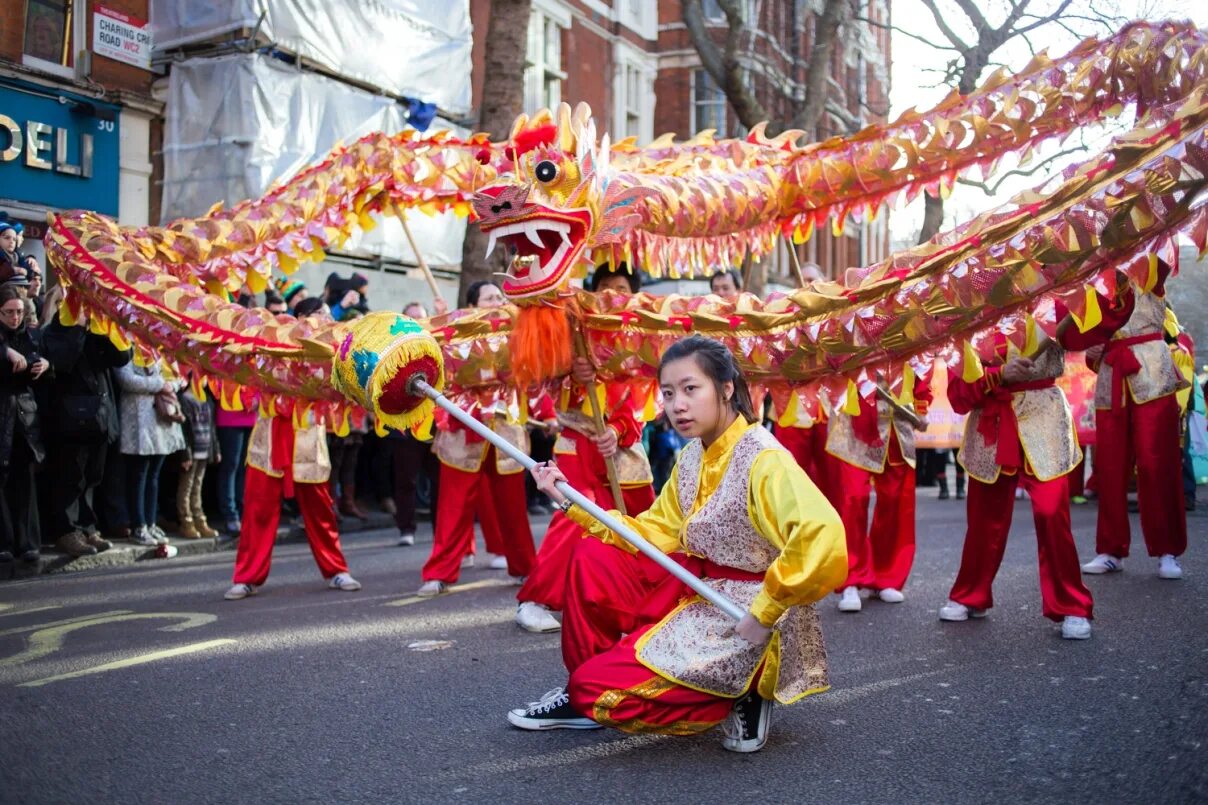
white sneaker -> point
(952, 611)
(533, 617)
(239, 591)
(1103, 563)
(551, 712)
(467, 560)
(498, 562)
(345, 582)
(158, 534)
(1075, 628)
(891, 595)
(143, 536)
(850, 600)
(1169, 567)
(431, 589)
(746, 728)
(406, 539)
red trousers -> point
(585, 471)
(1147, 436)
(613, 598)
(501, 505)
(882, 557)
(990, 507)
(808, 446)
(262, 512)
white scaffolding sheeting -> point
(414, 48)
(236, 124)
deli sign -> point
(120, 36)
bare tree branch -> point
(826, 34)
(943, 26)
(990, 190)
(904, 32)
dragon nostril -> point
(498, 208)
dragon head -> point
(558, 205)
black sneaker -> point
(552, 712)
(746, 728)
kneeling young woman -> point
(644, 653)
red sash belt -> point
(998, 425)
(1118, 355)
(281, 452)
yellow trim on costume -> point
(651, 689)
(641, 644)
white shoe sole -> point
(845, 606)
(523, 722)
(1170, 576)
(540, 628)
(431, 593)
(1075, 636)
(1101, 570)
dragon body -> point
(685, 209)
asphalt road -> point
(143, 685)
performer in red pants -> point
(1137, 423)
(475, 478)
(284, 463)
(1019, 431)
(808, 446)
(644, 653)
(877, 445)
(581, 452)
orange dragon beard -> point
(541, 343)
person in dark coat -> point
(21, 450)
(83, 420)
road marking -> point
(460, 588)
(5, 607)
(576, 755)
(192, 648)
(50, 638)
(834, 698)
(33, 627)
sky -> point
(913, 82)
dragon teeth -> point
(530, 232)
(494, 237)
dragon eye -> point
(546, 171)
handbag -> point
(79, 417)
(168, 407)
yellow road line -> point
(50, 638)
(459, 588)
(52, 624)
(192, 648)
(5, 607)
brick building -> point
(76, 110)
(633, 62)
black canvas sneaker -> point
(746, 728)
(551, 712)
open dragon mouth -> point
(544, 246)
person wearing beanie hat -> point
(292, 291)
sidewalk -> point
(125, 553)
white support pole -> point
(635, 539)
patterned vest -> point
(633, 468)
(452, 448)
(1158, 376)
(311, 461)
(843, 444)
(1046, 429)
(695, 644)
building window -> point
(712, 11)
(54, 30)
(633, 101)
(708, 103)
(543, 73)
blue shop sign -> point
(58, 149)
